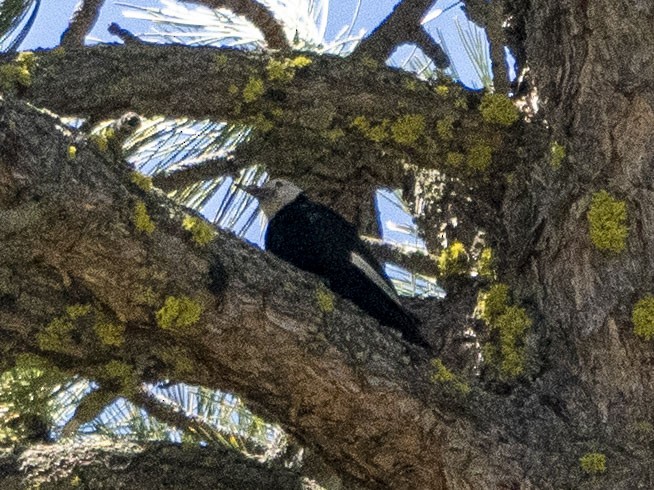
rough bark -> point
(342, 385)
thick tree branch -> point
(98, 461)
(402, 26)
(81, 23)
(258, 14)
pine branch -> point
(206, 170)
(256, 13)
(491, 16)
(402, 26)
(81, 24)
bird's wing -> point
(358, 252)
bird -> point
(316, 239)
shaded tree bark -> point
(373, 407)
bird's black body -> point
(316, 239)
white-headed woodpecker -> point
(316, 239)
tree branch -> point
(418, 262)
(110, 463)
(402, 26)
(183, 177)
(81, 23)
(258, 14)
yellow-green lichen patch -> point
(142, 181)
(261, 123)
(333, 135)
(232, 89)
(56, 336)
(253, 90)
(76, 311)
(454, 159)
(607, 222)
(373, 132)
(325, 299)
(201, 231)
(512, 327)
(493, 302)
(283, 71)
(119, 374)
(593, 463)
(498, 109)
(505, 351)
(444, 376)
(110, 334)
(407, 129)
(179, 313)
(18, 72)
(370, 63)
(178, 358)
(486, 263)
(146, 296)
(141, 218)
(557, 155)
(479, 157)
(220, 60)
(642, 317)
(442, 90)
(453, 260)
(72, 152)
(445, 128)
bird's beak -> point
(253, 190)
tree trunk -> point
(380, 412)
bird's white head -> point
(274, 195)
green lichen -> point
(444, 376)
(119, 374)
(178, 313)
(261, 123)
(410, 84)
(280, 71)
(486, 263)
(141, 218)
(557, 155)
(373, 132)
(493, 302)
(220, 60)
(178, 358)
(593, 463)
(110, 334)
(201, 231)
(479, 157)
(72, 152)
(146, 296)
(454, 159)
(498, 109)
(232, 89)
(642, 317)
(102, 138)
(512, 327)
(508, 326)
(453, 260)
(445, 128)
(142, 181)
(17, 73)
(325, 299)
(370, 63)
(76, 311)
(56, 336)
(283, 71)
(442, 90)
(607, 222)
(253, 90)
(333, 135)
(407, 129)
